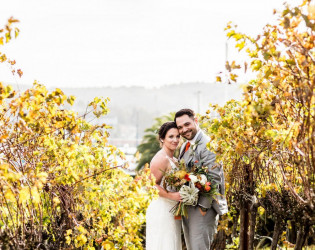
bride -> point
(162, 230)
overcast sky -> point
(81, 43)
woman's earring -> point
(161, 141)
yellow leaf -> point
(71, 99)
(35, 195)
(108, 245)
(311, 12)
(240, 45)
(12, 20)
(24, 195)
(16, 32)
(239, 147)
(7, 37)
(3, 58)
(9, 195)
(68, 240)
(233, 77)
(56, 200)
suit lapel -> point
(190, 154)
(183, 151)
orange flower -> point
(207, 188)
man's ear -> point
(196, 121)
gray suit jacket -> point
(200, 153)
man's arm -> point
(215, 170)
(208, 158)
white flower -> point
(194, 145)
(203, 179)
(189, 194)
(193, 178)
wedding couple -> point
(163, 232)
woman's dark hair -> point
(182, 112)
(166, 127)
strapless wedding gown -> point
(163, 232)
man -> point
(201, 224)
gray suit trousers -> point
(199, 230)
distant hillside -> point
(133, 109)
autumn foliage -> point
(7, 33)
(266, 140)
(60, 186)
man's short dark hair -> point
(182, 112)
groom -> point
(201, 224)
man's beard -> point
(192, 135)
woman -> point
(162, 230)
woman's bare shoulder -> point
(159, 159)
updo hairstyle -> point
(164, 128)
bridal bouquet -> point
(191, 185)
(176, 178)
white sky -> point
(81, 43)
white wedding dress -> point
(163, 232)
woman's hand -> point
(174, 196)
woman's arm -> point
(158, 166)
